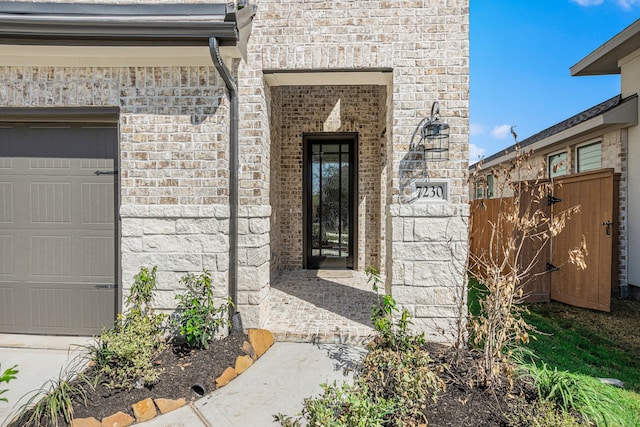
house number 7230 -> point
(432, 191)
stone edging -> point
(260, 340)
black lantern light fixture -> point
(434, 136)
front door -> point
(329, 200)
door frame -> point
(308, 139)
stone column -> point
(427, 265)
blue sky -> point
(521, 52)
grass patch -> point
(588, 342)
(588, 345)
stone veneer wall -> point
(303, 109)
(429, 244)
(173, 160)
(424, 43)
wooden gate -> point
(597, 195)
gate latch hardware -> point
(551, 200)
(106, 286)
(98, 173)
(608, 229)
(550, 267)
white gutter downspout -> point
(214, 50)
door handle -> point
(608, 229)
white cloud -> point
(501, 132)
(476, 129)
(475, 153)
(628, 4)
(587, 3)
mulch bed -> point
(464, 403)
(181, 370)
(460, 405)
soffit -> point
(604, 60)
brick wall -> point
(334, 109)
(173, 160)
(425, 44)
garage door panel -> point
(50, 307)
(50, 257)
(6, 202)
(57, 228)
(6, 256)
(97, 259)
(50, 202)
(97, 203)
(97, 305)
(6, 307)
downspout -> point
(214, 50)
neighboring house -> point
(606, 136)
(239, 138)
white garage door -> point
(57, 228)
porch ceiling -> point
(379, 77)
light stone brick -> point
(422, 251)
(131, 244)
(440, 229)
(198, 226)
(253, 240)
(251, 279)
(195, 244)
(159, 226)
(131, 227)
(259, 225)
(411, 295)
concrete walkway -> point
(277, 383)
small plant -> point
(539, 414)
(199, 320)
(393, 335)
(8, 375)
(52, 404)
(124, 354)
(574, 393)
(341, 406)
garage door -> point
(57, 228)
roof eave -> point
(121, 25)
(604, 60)
(623, 115)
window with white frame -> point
(589, 157)
(557, 164)
(484, 187)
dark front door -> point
(329, 200)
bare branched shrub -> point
(514, 240)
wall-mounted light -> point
(434, 136)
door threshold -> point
(328, 273)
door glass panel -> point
(330, 200)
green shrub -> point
(391, 334)
(341, 406)
(539, 414)
(198, 319)
(124, 354)
(407, 378)
(8, 375)
(573, 393)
